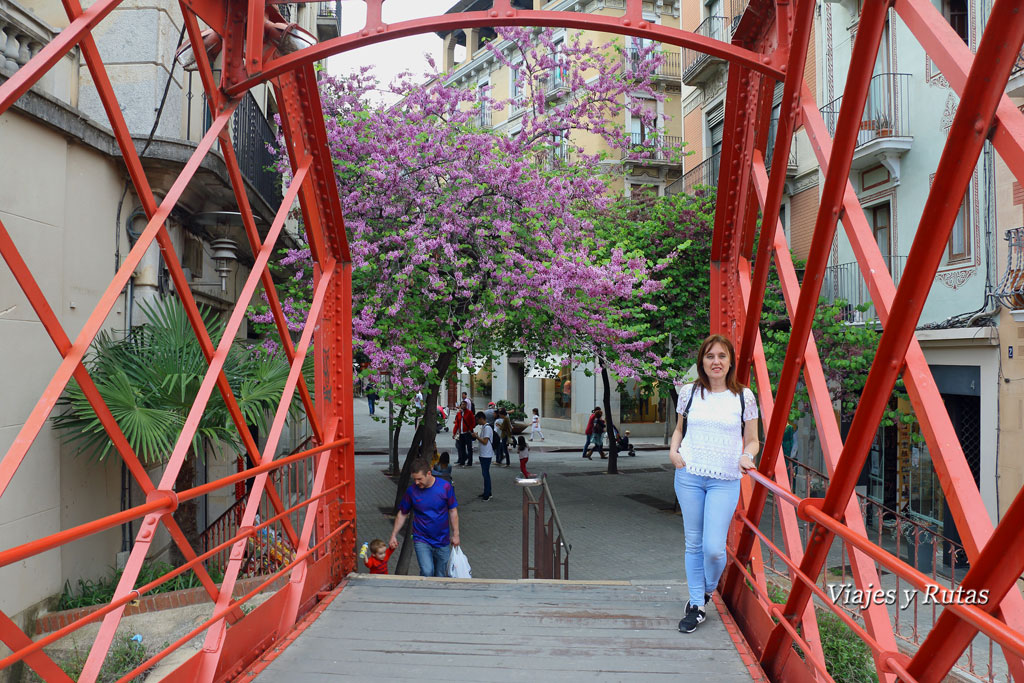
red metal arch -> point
(775, 49)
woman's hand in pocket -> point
(677, 460)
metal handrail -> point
(548, 562)
(652, 146)
(669, 65)
(886, 110)
(704, 173)
(718, 28)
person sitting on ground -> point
(443, 468)
(377, 558)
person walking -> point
(589, 431)
(433, 501)
(713, 446)
(535, 431)
(467, 401)
(485, 435)
(598, 434)
(462, 432)
(372, 396)
(502, 434)
(524, 456)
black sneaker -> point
(707, 598)
(486, 498)
(694, 617)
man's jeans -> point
(485, 470)
(433, 561)
(587, 444)
(708, 505)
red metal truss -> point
(324, 546)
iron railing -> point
(330, 10)
(1010, 290)
(886, 111)
(705, 174)
(483, 117)
(736, 10)
(844, 281)
(548, 537)
(669, 64)
(718, 28)
(251, 135)
(919, 543)
(652, 147)
(270, 549)
(1018, 66)
(769, 151)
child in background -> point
(443, 468)
(377, 558)
(536, 426)
(524, 455)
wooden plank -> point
(400, 628)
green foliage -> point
(150, 378)
(101, 591)
(847, 658)
(673, 234)
(846, 350)
(516, 411)
(125, 654)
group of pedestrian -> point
(714, 444)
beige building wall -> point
(60, 211)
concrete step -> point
(398, 628)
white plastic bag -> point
(458, 565)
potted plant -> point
(883, 124)
(517, 413)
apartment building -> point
(70, 210)
(566, 400)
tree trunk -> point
(613, 448)
(186, 514)
(430, 407)
(393, 455)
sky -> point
(394, 56)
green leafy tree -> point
(149, 380)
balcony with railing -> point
(697, 67)
(844, 281)
(1010, 290)
(22, 36)
(704, 174)
(884, 135)
(556, 84)
(653, 149)
(328, 20)
(251, 133)
(1015, 86)
(769, 151)
(669, 64)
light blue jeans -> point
(433, 561)
(708, 505)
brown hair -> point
(420, 465)
(730, 377)
(376, 545)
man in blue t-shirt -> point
(433, 501)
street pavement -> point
(619, 526)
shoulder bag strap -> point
(686, 410)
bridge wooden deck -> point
(407, 628)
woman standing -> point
(719, 447)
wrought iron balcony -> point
(251, 133)
(483, 117)
(328, 20)
(1010, 290)
(705, 174)
(886, 111)
(844, 281)
(669, 67)
(769, 151)
(695, 64)
(646, 148)
(556, 83)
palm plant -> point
(149, 379)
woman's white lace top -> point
(714, 439)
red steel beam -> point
(964, 500)
(504, 15)
(791, 90)
(865, 575)
(990, 71)
(865, 48)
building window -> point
(556, 395)
(635, 407)
(880, 218)
(959, 239)
(516, 89)
(956, 14)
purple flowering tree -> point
(469, 242)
